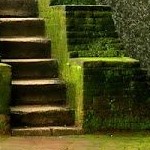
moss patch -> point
(4, 125)
(5, 80)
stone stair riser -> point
(22, 27)
(38, 98)
(25, 49)
(47, 131)
(34, 70)
(18, 8)
(40, 119)
(35, 95)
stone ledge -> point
(85, 7)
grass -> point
(117, 141)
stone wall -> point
(133, 25)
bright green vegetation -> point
(116, 141)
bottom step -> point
(47, 131)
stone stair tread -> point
(26, 60)
(47, 131)
(37, 108)
(24, 39)
(37, 82)
(20, 19)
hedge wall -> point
(133, 25)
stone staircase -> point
(38, 101)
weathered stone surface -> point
(44, 92)
(41, 116)
(11, 27)
(17, 8)
(47, 131)
(39, 97)
(25, 48)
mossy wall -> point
(133, 25)
(5, 88)
(105, 93)
(91, 32)
(84, 31)
(115, 93)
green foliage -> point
(102, 48)
(91, 122)
(73, 2)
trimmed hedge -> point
(133, 25)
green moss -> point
(112, 60)
(75, 90)
(4, 125)
(55, 19)
(5, 80)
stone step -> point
(23, 48)
(18, 8)
(34, 92)
(47, 131)
(11, 27)
(41, 116)
(33, 68)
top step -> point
(18, 8)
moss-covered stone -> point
(5, 89)
(81, 28)
(4, 124)
(103, 91)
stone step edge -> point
(25, 39)
(53, 81)
(27, 60)
(20, 19)
(47, 131)
(27, 109)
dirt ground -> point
(82, 142)
(45, 143)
